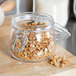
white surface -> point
(1, 16)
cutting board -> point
(12, 67)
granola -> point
(58, 61)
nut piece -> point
(65, 61)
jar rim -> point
(13, 23)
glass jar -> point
(33, 35)
(58, 9)
(74, 7)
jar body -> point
(39, 47)
(33, 45)
(56, 8)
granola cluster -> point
(40, 45)
(58, 61)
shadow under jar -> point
(32, 37)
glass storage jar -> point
(58, 9)
(74, 7)
(33, 35)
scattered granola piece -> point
(58, 61)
